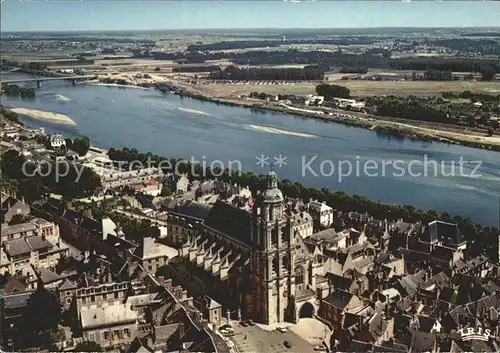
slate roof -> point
(210, 303)
(426, 323)
(339, 299)
(66, 285)
(15, 301)
(448, 233)
(17, 247)
(13, 285)
(91, 225)
(38, 243)
(339, 282)
(329, 235)
(193, 209)
(233, 222)
(18, 228)
(47, 276)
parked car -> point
(243, 323)
(250, 322)
(287, 344)
(320, 348)
(224, 331)
(281, 329)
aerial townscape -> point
(135, 219)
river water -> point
(384, 167)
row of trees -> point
(409, 108)
(134, 229)
(18, 91)
(438, 75)
(332, 91)
(353, 70)
(247, 44)
(474, 97)
(78, 145)
(468, 45)
(251, 74)
(337, 58)
(32, 182)
(201, 68)
(325, 60)
(181, 276)
(338, 199)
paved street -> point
(262, 341)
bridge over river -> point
(73, 79)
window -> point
(299, 275)
(92, 337)
(105, 335)
(92, 298)
(126, 332)
(150, 268)
(68, 301)
(116, 295)
(68, 293)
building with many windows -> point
(258, 259)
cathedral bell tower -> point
(272, 239)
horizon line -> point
(246, 28)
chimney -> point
(181, 330)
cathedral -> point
(256, 261)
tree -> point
(487, 72)
(12, 165)
(81, 145)
(88, 346)
(69, 144)
(38, 325)
(19, 219)
(332, 91)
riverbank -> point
(425, 131)
(47, 116)
(114, 85)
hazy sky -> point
(55, 15)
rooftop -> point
(151, 250)
(110, 315)
(18, 228)
(193, 209)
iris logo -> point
(477, 333)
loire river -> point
(175, 127)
